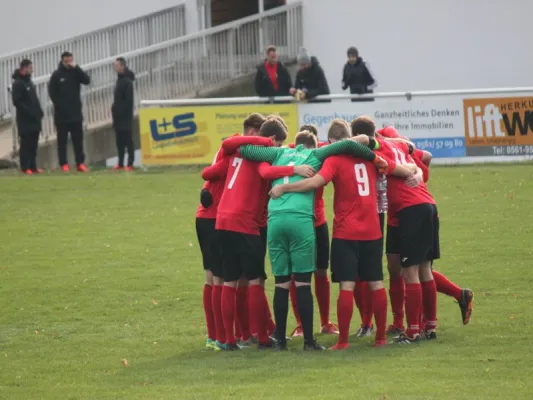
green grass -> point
(103, 267)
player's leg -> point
(371, 271)
(396, 281)
(322, 284)
(281, 309)
(416, 241)
(206, 233)
(242, 325)
(231, 243)
(271, 326)
(253, 262)
(302, 245)
(297, 332)
(344, 261)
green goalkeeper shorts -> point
(291, 243)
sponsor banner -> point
(417, 118)
(192, 135)
(441, 147)
(499, 126)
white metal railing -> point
(101, 44)
(185, 66)
(284, 99)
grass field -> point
(103, 267)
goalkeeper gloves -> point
(206, 200)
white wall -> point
(425, 44)
(46, 21)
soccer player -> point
(464, 297)
(413, 233)
(239, 213)
(209, 241)
(356, 249)
(322, 284)
(291, 234)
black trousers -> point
(76, 134)
(124, 140)
(29, 142)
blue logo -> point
(181, 125)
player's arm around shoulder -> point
(260, 153)
(232, 144)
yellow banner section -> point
(192, 135)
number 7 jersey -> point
(244, 198)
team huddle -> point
(261, 195)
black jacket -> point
(313, 79)
(25, 100)
(264, 86)
(64, 89)
(122, 109)
(357, 77)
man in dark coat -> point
(29, 116)
(65, 92)
(310, 78)
(122, 113)
(357, 76)
(272, 78)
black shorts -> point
(382, 223)
(263, 234)
(209, 241)
(352, 259)
(242, 256)
(416, 238)
(322, 246)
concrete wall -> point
(53, 20)
(421, 44)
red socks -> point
(228, 312)
(294, 302)
(379, 308)
(397, 299)
(344, 314)
(444, 285)
(216, 298)
(367, 305)
(359, 298)
(429, 296)
(242, 313)
(208, 310)
(270, 324)
(322, 292)
(413, 306)
(257, 310)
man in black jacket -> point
(64, 90)
(272, 78)
(122, 113)
(357, 76)
(29, 116)
(310, 78)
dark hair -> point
(352, 51)
(338, 129)
(122, 61)
(281, 120)
(66, 54)
(270, 48)
(308, 139)
(25, 63)
(310, 128)
(273, 126)
(254, 120)
(363, 125)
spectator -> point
(122, 113)
(310, 78)
(357, 76)
(272, 78)
(29, 116)
(64, 89)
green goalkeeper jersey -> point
(301, 203)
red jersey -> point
(215, 175)
(320, 212)
(390, 133)
(245, 193)
(418, 156)
(399, 195)
(354, 201)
